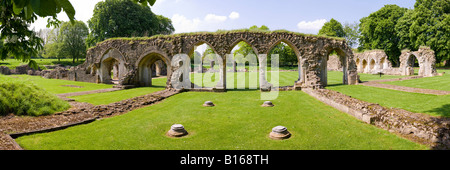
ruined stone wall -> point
(311, 50)
(426, 59)
(373, 62)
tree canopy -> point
(378, 31)
(73, 37)
(332, 28)
(17, 39)
(428, 24)
(123, 18)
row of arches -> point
(113, 66)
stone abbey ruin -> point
(131, 59)
(376, 61)
(132, 62)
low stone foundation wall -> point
(425, 129)
(15, 126)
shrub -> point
(25, 98)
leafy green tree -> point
(73, 37)
(18, 40)
(123, 18)
(378, 31)
(332, 28)
(285, 53)
(428, 24)
(352, 34)
(52, 50)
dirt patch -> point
(72, 86)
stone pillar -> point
(264, 85)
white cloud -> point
(211, 22)
(215, 18)
(182, 24)
(234, 15)
(311, 27)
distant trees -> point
(17, 39)
(123, 18)
(332, 28)
(393, 28)
(428, 24)
(378, 31)
(73, 37)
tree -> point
(123, 18)
(378, 31)
(18, 40)
(428, 24)
(332, 28)
(352, 34)
(285, 53)
(73, 37)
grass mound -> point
(24, 98)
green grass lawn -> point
(13, 63)
(115, 96)
(57, 86)
(435, 83)
(433, 105)
(237, 122)
(286, 78)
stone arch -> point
(347, 65)
(144, 67)
(358, 64)
(235, 43)
(364, 64)
(297, 53)
(383, 63)
(426, 59)
(372, 65)
(113, 61)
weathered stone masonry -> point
(136, 55)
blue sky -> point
(211, 15)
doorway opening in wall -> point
(336, 68)
(242, 67)
(148, 67)
(205, 66)
(413, 65)
(289, 64)
(112, 67)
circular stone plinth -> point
(267, 104)
(177, 130)
(279, 133)
(208, 104)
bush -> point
(24, 98)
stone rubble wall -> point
(422, 128)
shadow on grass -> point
(442, 111)
(243, 89)
(335, 85)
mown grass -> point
(13, 63)
(433, 105)
(115, 96)
(237, 122)
(435, 83)
(23, 98)
(57, 86)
